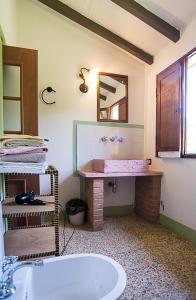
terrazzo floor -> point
(158, 263)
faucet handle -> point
(8, 261)
(39, 262)
(120, 139)
(104, 139)
(113, 138)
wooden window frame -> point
(183, 85)
(182, 144)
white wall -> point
(63, 48)
(90, 146)
(178, 184)
(8, 20)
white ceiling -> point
(176, 12)
(110, 81)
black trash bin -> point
(76, 211)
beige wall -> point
(63, 48)
(178, 184)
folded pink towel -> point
(19, 150)
(24, 157)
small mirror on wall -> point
(112, 98)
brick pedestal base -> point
(147, 197)
(94, 188)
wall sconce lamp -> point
(83, 87)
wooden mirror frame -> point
(98, 99)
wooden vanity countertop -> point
(94, 174)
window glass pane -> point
(12, 115)
(11, 81)
(115, 112)
(190, 146)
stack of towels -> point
(22, 154)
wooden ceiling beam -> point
(149, 18)
(108, 35)
(119, 79)
(107, 87)
(102, 97)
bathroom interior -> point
(107, 85)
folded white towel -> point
(19, 167)
(12, 143)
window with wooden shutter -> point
(168, 109)
(176, 109)
(189, 105)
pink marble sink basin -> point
(119, 165)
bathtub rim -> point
(118, 289)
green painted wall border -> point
(1, 87)
(82, 188)
(110, 211)
(2, 36)
(90, 123)
(108, 124)
(2, 42)
(181, 229)
(118, 211)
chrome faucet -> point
(9, 267)
(104, 139)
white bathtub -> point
(75, 277)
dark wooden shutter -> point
(168, 109)
(123, 110)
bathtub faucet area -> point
(77, 276)
(9, 267)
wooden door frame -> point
(27, 59)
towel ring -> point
(49, 89)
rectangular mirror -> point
(112, 98)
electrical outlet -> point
(149, 161)
(162, 205)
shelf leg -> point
(56, 217)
